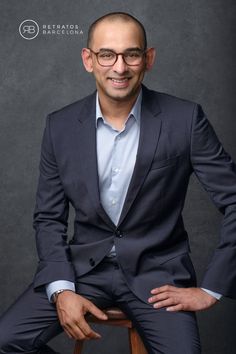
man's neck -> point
(116, 111)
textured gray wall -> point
(196, 60)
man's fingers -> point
(167, 296)
(83, 325)
(163, 288)
(94, 310)
(70, 333)
(159, 297)
(181, 299)
(80, 330)
(71, 329)
(175, 308)
(71, 309)
(77, 333)
(77, 329)
(164, 303)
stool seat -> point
(116, 317)
(114, 313)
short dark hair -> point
(114, 16)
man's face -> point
(120, 81)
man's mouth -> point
(120, 83)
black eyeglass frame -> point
(143, 52)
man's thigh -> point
(164, 332)
(29, 323)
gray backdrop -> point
(196, 60)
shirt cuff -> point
(213, 293)
(51, 288)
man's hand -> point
(181, 299)
(71, 309)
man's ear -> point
(150, 58)
(87, 59)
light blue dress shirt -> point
(116, 156)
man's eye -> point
(133, 55)
(106, 55)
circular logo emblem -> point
(29, 29)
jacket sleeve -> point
(217, 173)
(50, 219)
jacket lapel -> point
(88, 154)
(150, 127)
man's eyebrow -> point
(127, 49)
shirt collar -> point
(135, 111)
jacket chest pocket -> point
(172, 161)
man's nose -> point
(120, 65)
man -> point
(123, 158)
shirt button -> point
(113, 202)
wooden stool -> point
(117, 318)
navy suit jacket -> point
(151, 242)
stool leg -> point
(136, 344)
(78, 347)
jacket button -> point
(118, 233)
(92, 262)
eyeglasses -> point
(131, 57)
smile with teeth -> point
(120, 81)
